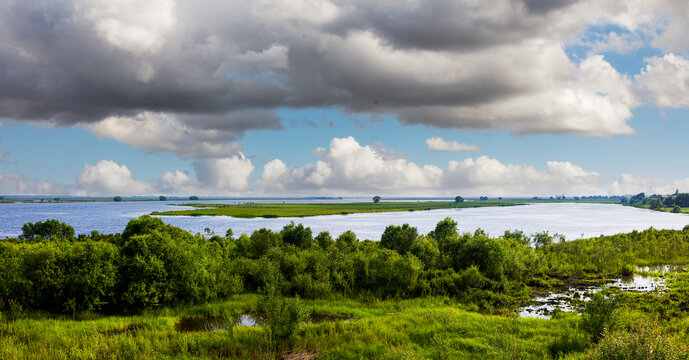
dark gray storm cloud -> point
(228, 66)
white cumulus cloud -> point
(665, 81)
(110, 178)
(439, 144)
(226, 174)
(351, 168)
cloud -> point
(445, 63)
(15, 184)
(227, 174)
(164, 132)
(614, 42)
(627, 184)
(439, 144)
(665, 81)
(109, 178)
(347, 167)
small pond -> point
(542, 307)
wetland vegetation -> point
(156, 291)
(272, 210)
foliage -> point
(399, 238)
(376, 199)
(193, 197)
(600, 314)
(655, 203)
(162, 198)
(117, 199)
(49, 229)
(297, 235)
(459, 199)
(283, 316)
(646, 340)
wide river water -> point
(574, 220)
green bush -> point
(600, 314)
(646, 340)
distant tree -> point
(346, 241)
(297, 235)
(193, 197)
(542, 239)
(676, 209)
(399, 238)
(57, 199)
(483, 198)
(637, 198)
(162, 198)
(324, 240)
(459, 199)
(262, 240)
(117, 199)
(655, 203)
(49, 229)
(669, 201)
(229, 233)
(623, 200)
(682, 200)
(2, 198)
(376, 199)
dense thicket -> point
(153, 264)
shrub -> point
(283, 316)
(600, 313)
(645, 341)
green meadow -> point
(253, 210)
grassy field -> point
(302, 210)
(430, 328)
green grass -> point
(302, 210)
(427, 328)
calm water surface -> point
(572, 220)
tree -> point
(676, 209)
(49, 229)
(193, 197)
(399, 238)
(229, 233)
(297, 235)
(682, 200)
(117, 199)
(483, 198)
(376, 199)
(324, 240)
(262, 240)
(655, 203)
(162, 198)
(669, 201)
(346, 241)
(459, 199)
(542, 239)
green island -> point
(157, 291)
(265, 210)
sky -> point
(344, 97)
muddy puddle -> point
(215, 323)
(129, 329)
(543, 307)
